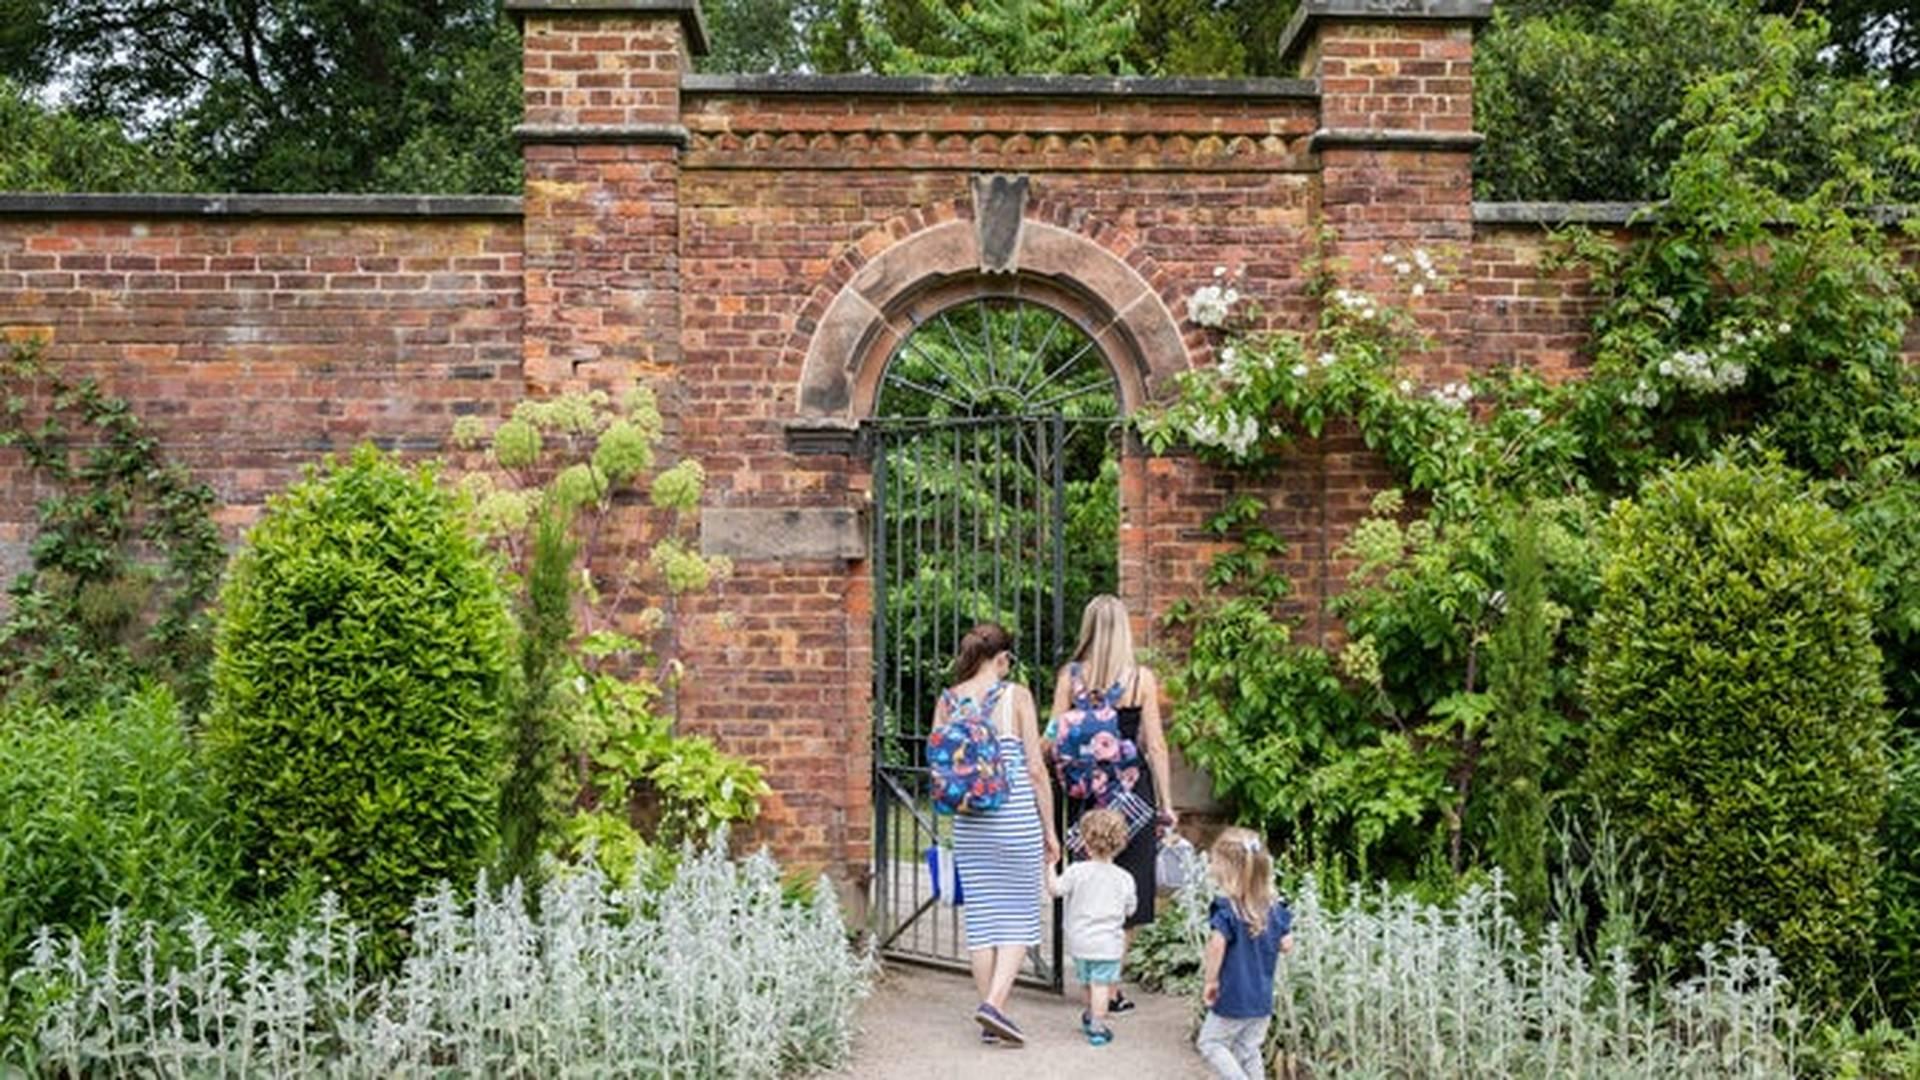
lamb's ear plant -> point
(1389, 986)
(713, 974)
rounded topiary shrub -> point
(359, 680)
(1735, 695)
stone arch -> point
(954, 261)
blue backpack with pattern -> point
(963, 754)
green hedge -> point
(360, 675)
(1736, 700)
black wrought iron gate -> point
(969, 525)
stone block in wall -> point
(765, 534)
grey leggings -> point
(1235, 1047)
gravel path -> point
(918, 1025)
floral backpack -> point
(1089, 755)
(964, 756)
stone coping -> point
(1299, 31)
(1054, 86)
(368, 206)
(1556, 213)
(692, 22)
(1550, 214)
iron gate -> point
(969, 525)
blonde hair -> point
(1244, 870)
(1104, 832)
(1105, 649)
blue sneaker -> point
(992, 1019)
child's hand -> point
(1211, 995)
(1286, 943)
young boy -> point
(1099, 898)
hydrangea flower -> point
(1211, 304)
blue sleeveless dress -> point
(999, 855)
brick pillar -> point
(601, 144)
(1396, 143)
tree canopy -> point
(1576, 97)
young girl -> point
(1250, 931)
(1099, 898)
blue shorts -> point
(1096, 972)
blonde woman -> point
(1103, 669)
(999, 855)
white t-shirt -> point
(1099, 898)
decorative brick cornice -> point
(1389, 139)
(603, 134)
(692, 22)
(1002, 151)
(365, 206)
(1311, 13)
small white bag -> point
(1174, 866)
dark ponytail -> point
(981, 644)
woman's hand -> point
(1169, 818)
(1053, 847)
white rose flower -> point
(1299, 371)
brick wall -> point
(254, 344)
(710, 235)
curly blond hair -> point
(1104, 832)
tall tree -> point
(755, 36)
(1014, 37)
(1208, 38)
(288, 94)
(50, 149)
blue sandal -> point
(1097, 1036)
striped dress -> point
(999, 855)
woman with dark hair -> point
(1103, 672)
(998, 854)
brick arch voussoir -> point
(914, 265)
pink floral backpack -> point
(1089, 754)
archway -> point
(889, 366)
(996, 472)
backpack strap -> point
(990, 707)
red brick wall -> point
(1523, 312)
(781, 202)
(253, 346)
